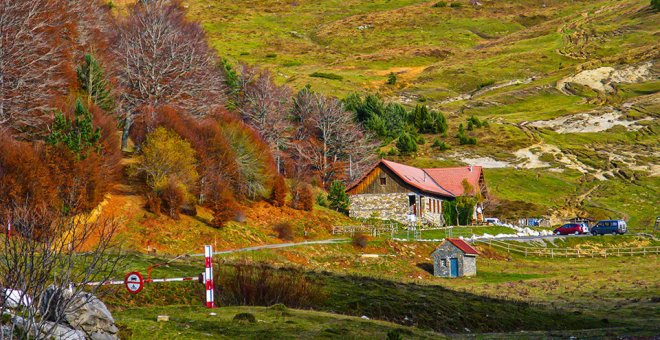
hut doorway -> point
(453, 267)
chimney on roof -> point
(470, 168)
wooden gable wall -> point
(371, 184)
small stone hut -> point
(453, 258)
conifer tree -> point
(338, 198)
(94, 83)
(78, 134)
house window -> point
(444, 262)
(383, 180)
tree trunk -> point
(128, 122)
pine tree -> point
(78, 134)
(94, 83)
(406, 144)
(338, 198)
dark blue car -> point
(614, 227)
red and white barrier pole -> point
(208, 276)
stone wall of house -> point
(384, 206)
(467, 265)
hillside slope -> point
(570, 88)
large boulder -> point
(82, 311)
(49, 330)
(14, 298)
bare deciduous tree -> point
(264, 105)
(327, 138)
(45, 257)
(164, 59)
(35, 39)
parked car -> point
(572, 228)
(492, 221)
(614, 227)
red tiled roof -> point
(451, 179)
(446, 182)
(417, 178)
(463, 246)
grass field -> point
(188, 322)
(516, 292)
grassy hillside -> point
(509, 293)
(504, 62)
(194, 322)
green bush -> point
(440, 145)
(440, 4)
(456, 5)
(331, 76)
(655, 4)
(391, 79)
(338, 198)
(322, 200)
(406, 144)
(245, 317)
(428, 121)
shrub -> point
(78, 134)
(394, 334)
(278, 195)
(360, 240)
(271, 55)
(24, 178)
(245, 317)
(456, 5)
(173, 196)
(406, 144)
(284, 231)
(322, 200)
(225, 208)
(655, 4)
(338, 198)
(440, 4)
(259, 284)
(466, 140)
(428, 121)
(391, 79)
(302, 196)
(168, 166)
(440, 145)
(331, 76)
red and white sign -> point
(208, 276)
(134, 282)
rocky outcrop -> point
(84, 312)
(48, 330)
(602, 79)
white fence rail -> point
(570, 252)
(373, 230)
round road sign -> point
(134, 282)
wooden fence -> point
(373, 230)
(569, 252)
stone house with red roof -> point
(393, 191)
(453, 258)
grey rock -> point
(84, 312)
